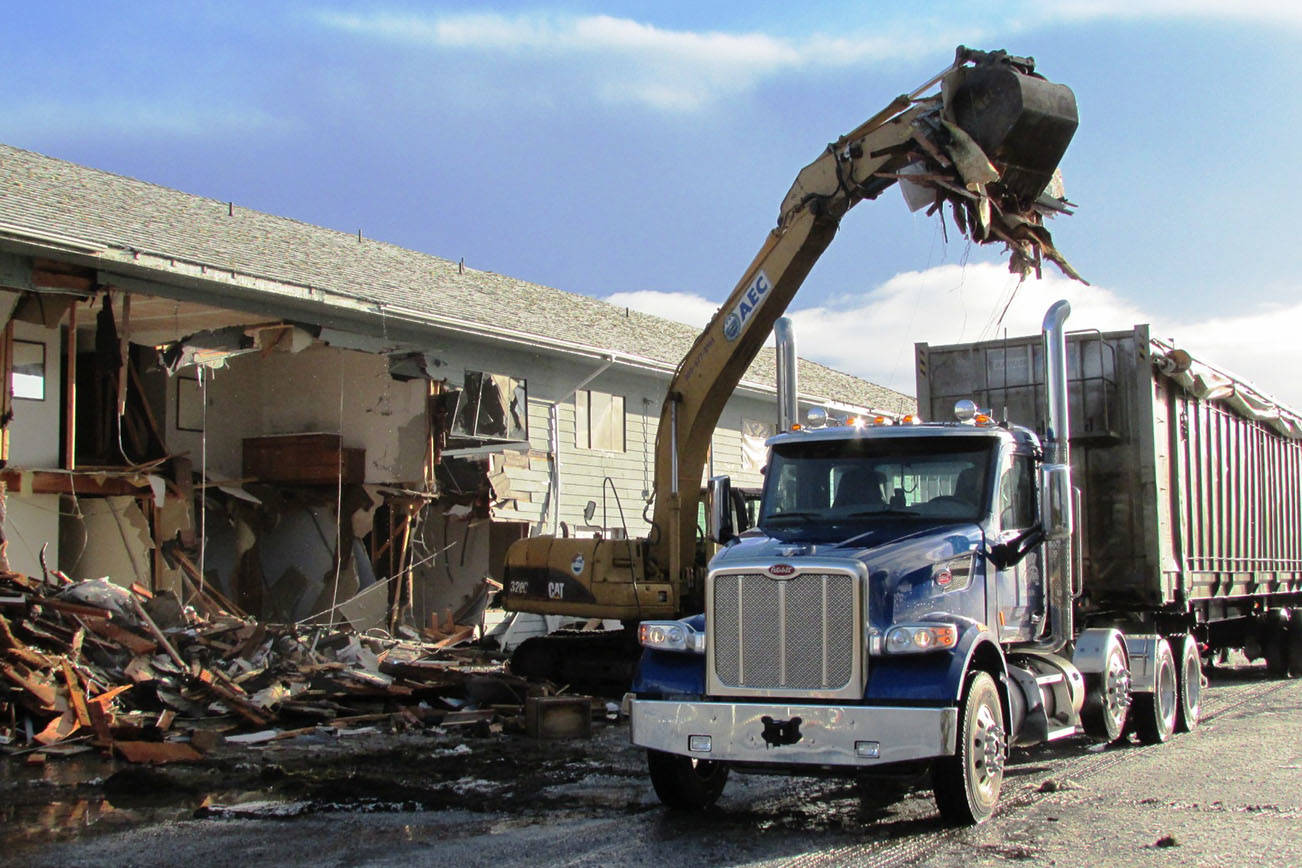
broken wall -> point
(321, 389)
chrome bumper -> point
(826, 735)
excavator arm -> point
(987, 145)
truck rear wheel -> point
(967, 784)
(1154, 713)
(1274, 638)
(684, 782)
(1190, 685)
(1293, 645)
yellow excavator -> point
(987, 145)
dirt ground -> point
(1228, 793)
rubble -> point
(92, 665)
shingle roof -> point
(126, 215)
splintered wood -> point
(87, 665)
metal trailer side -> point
(1190, 480)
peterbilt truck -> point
(1055, 559)
(979, 143)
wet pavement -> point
(1230, 792)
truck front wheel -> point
(967, 784)
(685, 782)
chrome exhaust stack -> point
(788, 409)
(1056, 495)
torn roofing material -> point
(146, 232)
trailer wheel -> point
(1154, 713)
(1190, 684)
(684, 782)
(1274, 636)
(967, 784)
(1107, 695)
(1293, 647)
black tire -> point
(685, 783)
(1274, 632)
(1154, 713)
(967, 784)
(1189, 684)
(1293, 644)
(1107, 696)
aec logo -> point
(750, 301)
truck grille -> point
(795, 634)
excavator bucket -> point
(1022, 121)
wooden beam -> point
(70, 394)
(54, 482)
(59, 280)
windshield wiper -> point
(890, 510)
(779, 517)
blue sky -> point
(638, 151)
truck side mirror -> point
(1056, 501)
(719, 524)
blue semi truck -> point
(931, 594)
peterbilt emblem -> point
(782, 571)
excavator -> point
(987, 145)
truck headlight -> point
(671, 636)
(918, 638)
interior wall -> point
(34, 439)
(321, 389)
(32, 520)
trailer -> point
(1189, 480)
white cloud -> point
(872, 335)
(630, 61)
(635, 62)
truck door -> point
(1019, 589)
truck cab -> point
(906, 595)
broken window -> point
(492, 406)
(599, 421)
(28, 379)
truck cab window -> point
(823, 483)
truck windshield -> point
(841, 481)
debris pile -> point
(91, 664)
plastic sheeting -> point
(1211, 384)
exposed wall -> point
(33, 520)
(321, 389)
(34, 439)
